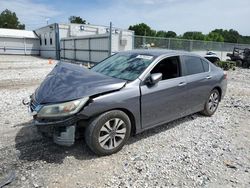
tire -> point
(239, 63)
(212, 103)
(107, 133)
(245, 64)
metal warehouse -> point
(14, 41)
(80, 42)
(69, 41)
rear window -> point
(193, 65)
(205, 65)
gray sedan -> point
(124, 94)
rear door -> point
(199, 78)
(166, 100)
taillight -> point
(225, 75)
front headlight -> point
(62, 109)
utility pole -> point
(110, 38)
(47, 20)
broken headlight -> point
(62, 109)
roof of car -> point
(159, 52)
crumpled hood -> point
(69, 82)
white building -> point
(45, 41)
(51, 35)
(15, 41)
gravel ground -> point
(194, 151)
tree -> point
(193, 35)
(171, 34)
(142, 29)
(161, 33)
(229, 36)
(77, 20)
(244, 39)
(218, 35)
(213, 36)
(9, 20)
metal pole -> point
(64, 49)
(57, 43)
(90, 59)
(221, 47)
(133, 41)
(74, 49)
(24, 41)
(144, 42)
(191, 45)
(110, 38)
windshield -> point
(127, 66)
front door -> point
(166, 100)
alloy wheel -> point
(112, 133)
(213, 102)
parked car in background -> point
(124, 94)
(212, 57)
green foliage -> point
(142, 29)
(231, 35)
(213, 36)
(161, 33)
(169, 34)
(9, 20)
(193, 35)
(218, 35)
(226, 65)
(77, 20)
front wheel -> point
(212, 103)
(107, 133)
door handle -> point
(208, 77)
(182, 84)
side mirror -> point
(154, 78)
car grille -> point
(33, 105)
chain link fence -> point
(200, 47)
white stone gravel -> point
(194, 151)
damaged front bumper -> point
(65, 122)
(62, 131)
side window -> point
(50, 39)
(40, 38)
(205, 65)
(45, 40)
(169, 67)
(193, 65)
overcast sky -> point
(175, 15)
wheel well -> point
(219, 89)
(132, 119)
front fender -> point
(128, 98)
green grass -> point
(226, 65)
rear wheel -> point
(107, 133)
(245, 64)
(239, 63)
(212, 103)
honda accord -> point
(123, 95)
